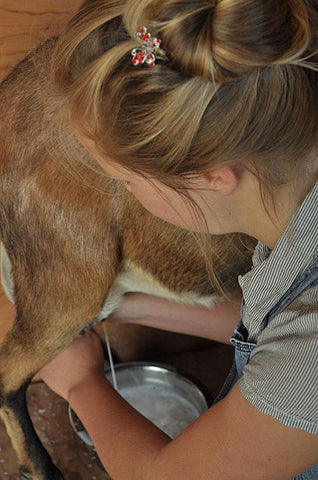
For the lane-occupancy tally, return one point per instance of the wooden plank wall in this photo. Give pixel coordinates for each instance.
(23, 25)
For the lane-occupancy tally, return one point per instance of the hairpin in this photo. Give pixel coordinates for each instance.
(147, 52)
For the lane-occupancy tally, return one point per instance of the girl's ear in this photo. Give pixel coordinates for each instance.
(223, 181)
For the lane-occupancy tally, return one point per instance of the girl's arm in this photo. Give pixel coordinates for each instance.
(231, 440)
(215, 323)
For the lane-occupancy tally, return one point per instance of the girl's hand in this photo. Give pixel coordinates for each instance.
(79, 363)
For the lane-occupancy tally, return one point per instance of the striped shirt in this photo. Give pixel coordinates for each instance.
(281, 376)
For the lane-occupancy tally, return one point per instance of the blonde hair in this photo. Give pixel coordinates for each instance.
(235, 83)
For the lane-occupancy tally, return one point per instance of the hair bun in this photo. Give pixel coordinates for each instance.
(224, 39)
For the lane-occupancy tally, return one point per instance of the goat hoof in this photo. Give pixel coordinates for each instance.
(26, 474)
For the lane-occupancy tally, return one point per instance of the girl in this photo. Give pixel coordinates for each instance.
(210, 117)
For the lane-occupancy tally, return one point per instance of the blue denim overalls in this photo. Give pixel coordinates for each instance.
(243, 349)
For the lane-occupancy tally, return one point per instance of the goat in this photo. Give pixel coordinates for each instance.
(73, 248)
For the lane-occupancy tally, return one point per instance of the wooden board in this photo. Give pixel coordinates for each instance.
(25, 23)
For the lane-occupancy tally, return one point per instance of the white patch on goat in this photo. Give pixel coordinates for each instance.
(132, 278)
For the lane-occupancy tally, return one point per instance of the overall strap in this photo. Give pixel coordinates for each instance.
(304, 281)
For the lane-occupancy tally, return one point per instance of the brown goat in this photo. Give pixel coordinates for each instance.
(73, 244)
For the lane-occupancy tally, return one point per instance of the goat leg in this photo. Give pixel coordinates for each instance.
(33, 458)
(19, 361)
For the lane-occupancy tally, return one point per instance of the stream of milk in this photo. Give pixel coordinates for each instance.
(110, 356)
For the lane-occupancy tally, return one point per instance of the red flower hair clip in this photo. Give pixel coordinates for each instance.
(147, 52)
